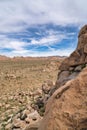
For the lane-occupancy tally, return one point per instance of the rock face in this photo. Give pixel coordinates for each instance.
(78, 57)
(72, 65)
(66, 109)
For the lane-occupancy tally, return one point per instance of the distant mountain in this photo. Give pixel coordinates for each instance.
(2, 57)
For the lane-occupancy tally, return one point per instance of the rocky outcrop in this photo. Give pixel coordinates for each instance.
(74, 64)
(78, 57)
(66, 109)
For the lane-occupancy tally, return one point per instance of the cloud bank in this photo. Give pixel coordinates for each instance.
(40, 28)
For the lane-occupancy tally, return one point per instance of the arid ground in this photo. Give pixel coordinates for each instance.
(19, 77)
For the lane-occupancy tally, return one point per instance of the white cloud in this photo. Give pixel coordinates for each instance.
(19, 48)
(47, 40)
(7, 43)
(51, 52)
(52, 38)
(17, 15)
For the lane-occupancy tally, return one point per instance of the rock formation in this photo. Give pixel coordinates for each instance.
(66, 109)
(72, 65)
(79, 56)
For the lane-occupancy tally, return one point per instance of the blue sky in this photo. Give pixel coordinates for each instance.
(40, 27)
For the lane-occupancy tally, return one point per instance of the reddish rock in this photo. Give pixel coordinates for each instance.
(67, 108)
(85, 49)
(79, 55)
(75, 62)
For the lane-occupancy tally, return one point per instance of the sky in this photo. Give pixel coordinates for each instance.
(40, 27)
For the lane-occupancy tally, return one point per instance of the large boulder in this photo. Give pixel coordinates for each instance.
(67, 107)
